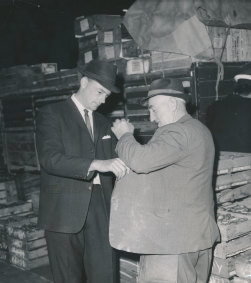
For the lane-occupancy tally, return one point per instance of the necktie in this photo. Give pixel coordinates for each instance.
(88, 123)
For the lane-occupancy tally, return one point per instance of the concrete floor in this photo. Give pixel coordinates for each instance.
(11, 274)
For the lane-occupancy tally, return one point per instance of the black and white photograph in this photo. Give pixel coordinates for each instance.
(125, 141)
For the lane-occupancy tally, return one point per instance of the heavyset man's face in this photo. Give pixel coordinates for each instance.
(161, 110)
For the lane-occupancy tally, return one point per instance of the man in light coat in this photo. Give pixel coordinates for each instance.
(164, 208)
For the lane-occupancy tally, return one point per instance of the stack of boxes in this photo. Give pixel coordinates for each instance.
(8, 192)
(233, 192)
(99, 37)
(26, 243)
(21, 243)
(237, 43)
(7, 213)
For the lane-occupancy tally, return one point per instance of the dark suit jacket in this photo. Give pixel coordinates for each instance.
(229, 121)
(66, 150)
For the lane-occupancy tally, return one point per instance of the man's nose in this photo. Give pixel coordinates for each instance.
(103, 98)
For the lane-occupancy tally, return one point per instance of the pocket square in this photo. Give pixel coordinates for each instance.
(106, 137)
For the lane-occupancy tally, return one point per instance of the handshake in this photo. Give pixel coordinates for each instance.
(115, 165)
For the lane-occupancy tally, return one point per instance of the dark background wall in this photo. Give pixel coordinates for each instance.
(37, 31)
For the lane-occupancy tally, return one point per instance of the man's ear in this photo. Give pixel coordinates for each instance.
(84, 82)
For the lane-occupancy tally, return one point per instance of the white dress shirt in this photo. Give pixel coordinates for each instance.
(81, 109)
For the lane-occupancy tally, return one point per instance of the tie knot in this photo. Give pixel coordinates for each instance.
(86, 111)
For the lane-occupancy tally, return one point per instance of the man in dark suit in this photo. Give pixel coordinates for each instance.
(76, 152)
(229, 119)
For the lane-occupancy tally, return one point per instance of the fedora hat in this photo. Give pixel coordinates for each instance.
(167, 86)
(101, 71)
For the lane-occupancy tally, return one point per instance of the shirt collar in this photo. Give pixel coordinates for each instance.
(78, 104)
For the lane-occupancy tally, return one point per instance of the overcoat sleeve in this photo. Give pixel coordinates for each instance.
(162, 150)
(50, 148)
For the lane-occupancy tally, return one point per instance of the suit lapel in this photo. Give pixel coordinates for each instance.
(76, 116)
(96, 126)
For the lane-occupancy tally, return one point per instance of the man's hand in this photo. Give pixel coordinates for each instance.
(120, 127)
(115, 165)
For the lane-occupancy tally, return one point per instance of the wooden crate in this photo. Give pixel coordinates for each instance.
(243, 266)
(232, 194)
(240, 280)
(218, 279)
(14, 208)
(233, 247)
(232, 180)
(230, 162)
(26, 243)
(227, 268)
(234, 219)
(8, 192)
(28, 264)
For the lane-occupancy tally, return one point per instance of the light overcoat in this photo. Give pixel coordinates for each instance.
(165, 204)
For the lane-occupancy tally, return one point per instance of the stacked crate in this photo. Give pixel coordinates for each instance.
(243, 268)
(233, 45)
(8, 212)
(8, 192)
(129, 268)
(99, 37)
(233, 192)
(26, 243)
(3, 241)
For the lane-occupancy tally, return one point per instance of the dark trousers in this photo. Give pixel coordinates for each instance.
(86, 253)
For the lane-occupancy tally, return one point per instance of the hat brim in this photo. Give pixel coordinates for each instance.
(103, 82)
(182, 96)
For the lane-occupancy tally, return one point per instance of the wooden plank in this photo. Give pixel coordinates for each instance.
(15, 208)
(241, 208)
(26, 245)
(28, 255)
(233, 227)
(232, 194)
(234, 164)
(217, 279)
(233, 247)
(243, 265)
(240, 280)
(27, 265)
(227, 267)
(28, 232)
(231, 180)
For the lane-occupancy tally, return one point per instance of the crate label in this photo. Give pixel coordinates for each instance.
(218, 42)
(108, 37)
(137, 66)
(84, 25)
(109, 52)
(88, 57)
